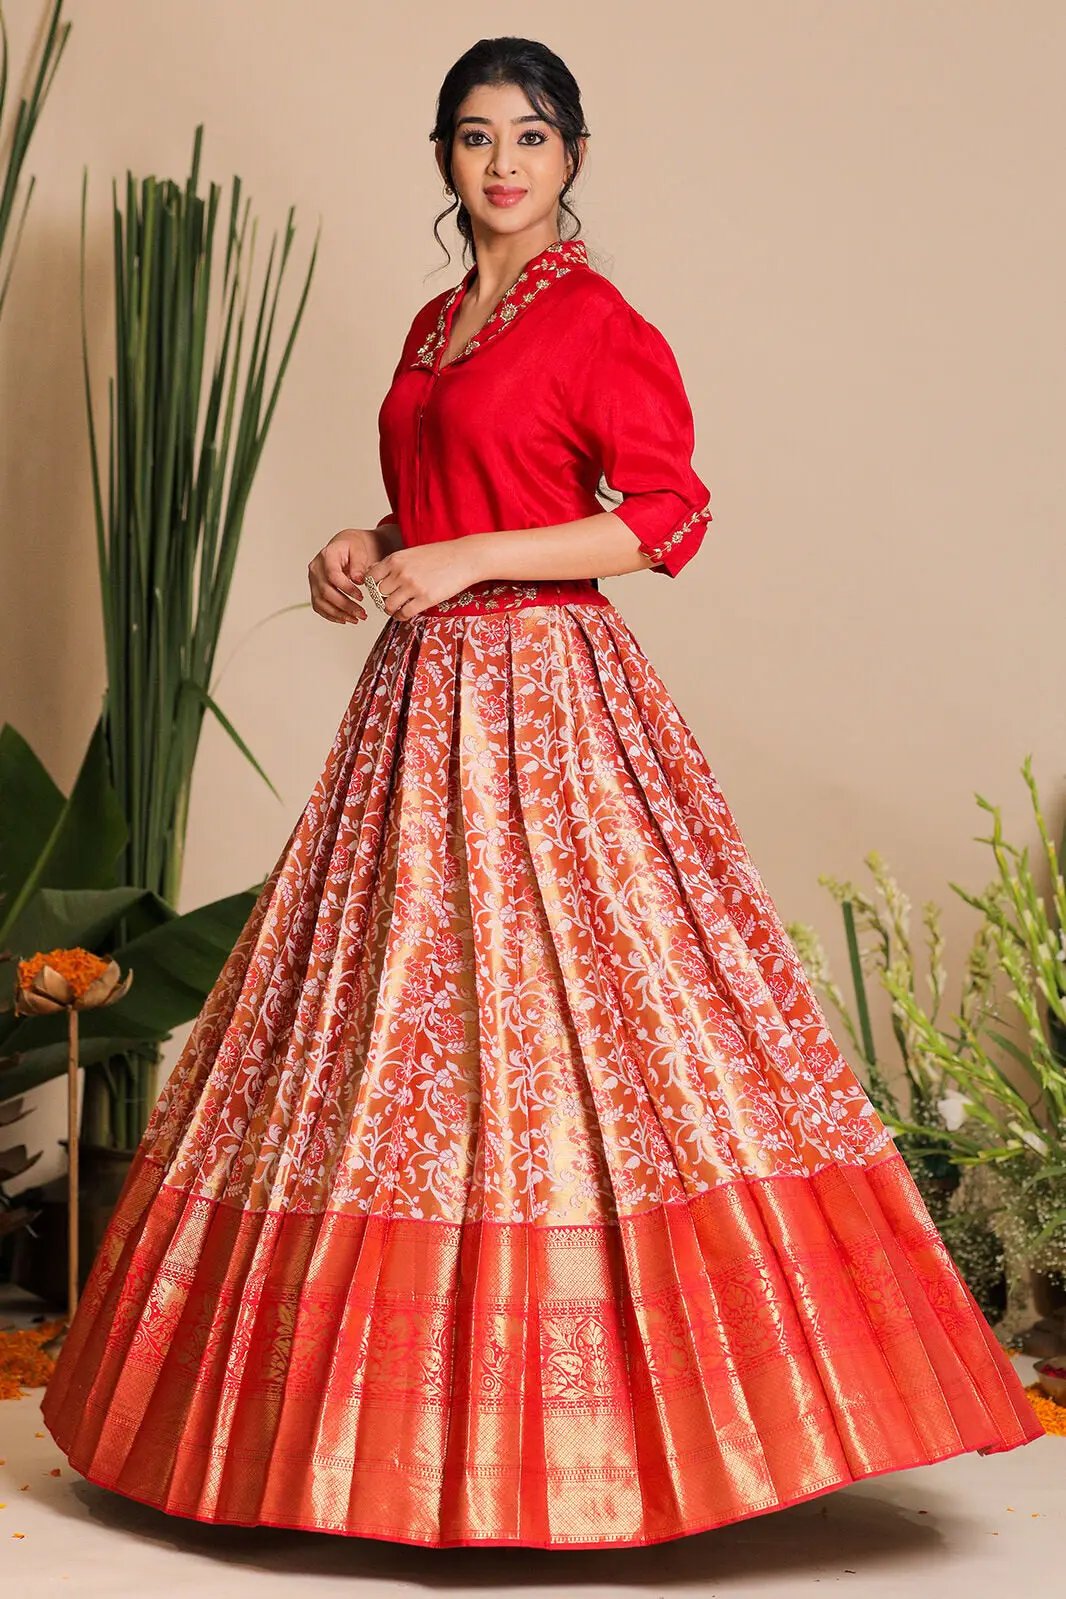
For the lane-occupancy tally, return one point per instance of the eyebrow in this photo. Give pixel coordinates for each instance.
(488, 120)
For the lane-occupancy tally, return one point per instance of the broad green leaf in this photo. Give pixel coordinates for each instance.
(83, 842)
(30, 806)
(46, 1061)
(176, 966)
(79, 918)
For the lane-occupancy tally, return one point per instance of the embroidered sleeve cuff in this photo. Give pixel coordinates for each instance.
(642, 514)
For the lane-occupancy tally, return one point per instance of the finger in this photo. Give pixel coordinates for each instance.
(330, 612)
(334, 602)
(340, 600)
(340, 574)
(396, 598)
(413, 604)
(351, 566)
(336, 613)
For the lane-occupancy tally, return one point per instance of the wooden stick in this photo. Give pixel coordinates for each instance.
(72, 1162)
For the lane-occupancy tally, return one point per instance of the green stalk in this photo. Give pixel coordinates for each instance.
(862, 1004)
(26, 118)
(185, 439)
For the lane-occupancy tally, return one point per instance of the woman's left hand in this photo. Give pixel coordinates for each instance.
(417, 576)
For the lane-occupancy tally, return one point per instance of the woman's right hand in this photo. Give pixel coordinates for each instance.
(337, 570)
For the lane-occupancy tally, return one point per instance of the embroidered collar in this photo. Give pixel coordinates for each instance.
(552, 263)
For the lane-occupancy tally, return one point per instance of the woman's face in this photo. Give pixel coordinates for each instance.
(501, 144)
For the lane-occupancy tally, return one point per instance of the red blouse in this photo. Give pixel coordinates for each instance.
(565, 381)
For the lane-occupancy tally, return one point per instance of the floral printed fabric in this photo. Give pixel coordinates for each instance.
(510, 1186)
(516, 963)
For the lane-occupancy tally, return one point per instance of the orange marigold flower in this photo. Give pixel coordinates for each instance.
(1051, 1414)
(23, 1361)
(79, 966)
(61, 979)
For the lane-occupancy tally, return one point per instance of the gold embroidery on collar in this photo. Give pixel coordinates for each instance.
(552, 263)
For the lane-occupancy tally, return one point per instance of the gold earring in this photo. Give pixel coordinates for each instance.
(448, 189)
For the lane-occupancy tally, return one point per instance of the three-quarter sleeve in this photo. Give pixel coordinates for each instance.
(633, 417)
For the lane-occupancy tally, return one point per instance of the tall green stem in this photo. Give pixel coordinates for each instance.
(182, 455)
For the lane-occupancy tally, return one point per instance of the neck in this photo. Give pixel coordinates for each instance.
(500, 257)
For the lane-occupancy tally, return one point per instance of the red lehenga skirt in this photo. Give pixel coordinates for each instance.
(510, 1188)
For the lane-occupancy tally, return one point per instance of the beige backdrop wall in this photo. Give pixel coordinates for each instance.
(847, 220)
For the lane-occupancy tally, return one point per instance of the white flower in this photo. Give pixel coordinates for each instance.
(953, 1109)
(1034, 1140)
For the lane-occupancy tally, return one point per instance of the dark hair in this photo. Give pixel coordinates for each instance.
(548, 85)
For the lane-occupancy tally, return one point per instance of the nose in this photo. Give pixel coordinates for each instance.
(503, 161)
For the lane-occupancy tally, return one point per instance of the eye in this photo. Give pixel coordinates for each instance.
(471, 134)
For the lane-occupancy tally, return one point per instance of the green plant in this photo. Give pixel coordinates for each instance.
(878, 937)
(964, 1112)
(186, 434)
(26, 119)
(59, 888)
(1020, 1130)
(15, 1159)
(911, 1094)
(180, 469)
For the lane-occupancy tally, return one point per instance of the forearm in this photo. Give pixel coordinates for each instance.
(600, 545)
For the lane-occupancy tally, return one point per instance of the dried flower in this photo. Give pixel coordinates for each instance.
(64, 979)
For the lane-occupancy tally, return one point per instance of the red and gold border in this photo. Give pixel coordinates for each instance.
(586, 1386)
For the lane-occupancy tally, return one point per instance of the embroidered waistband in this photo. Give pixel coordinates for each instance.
(495, 595)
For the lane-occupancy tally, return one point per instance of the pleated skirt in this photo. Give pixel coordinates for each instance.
(510, 1187)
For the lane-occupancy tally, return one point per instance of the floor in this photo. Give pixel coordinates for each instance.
(973, 1526)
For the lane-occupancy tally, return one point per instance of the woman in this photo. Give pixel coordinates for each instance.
(510, 1187)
